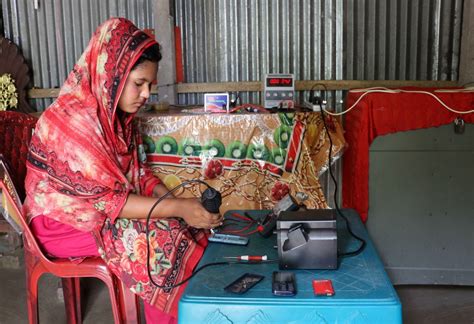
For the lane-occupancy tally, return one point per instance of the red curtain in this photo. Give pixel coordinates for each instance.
(385, 113)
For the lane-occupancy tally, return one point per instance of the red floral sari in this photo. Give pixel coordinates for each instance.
(85, 158)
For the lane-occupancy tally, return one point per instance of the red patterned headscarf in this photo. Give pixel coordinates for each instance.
(83, 157)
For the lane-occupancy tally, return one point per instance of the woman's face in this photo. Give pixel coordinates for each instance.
(137, 87)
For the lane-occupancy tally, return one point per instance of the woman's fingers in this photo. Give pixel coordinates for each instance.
(215, 224)
(213, 221)
(196, 216)
(217, 218)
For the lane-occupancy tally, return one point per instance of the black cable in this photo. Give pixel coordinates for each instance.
(194, 273)
(209, 265)
(349, 229)
(233, 103)
(147, 229)
(201, 267)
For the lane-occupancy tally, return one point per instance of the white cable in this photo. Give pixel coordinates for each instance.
(386, 90)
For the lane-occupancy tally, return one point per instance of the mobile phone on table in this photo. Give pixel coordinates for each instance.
(243, 283)
(323, 287)
(283, 283)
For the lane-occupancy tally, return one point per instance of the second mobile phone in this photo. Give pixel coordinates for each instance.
(283, 283)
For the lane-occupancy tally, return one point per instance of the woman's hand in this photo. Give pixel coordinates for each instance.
(195, 215)
(189, 209)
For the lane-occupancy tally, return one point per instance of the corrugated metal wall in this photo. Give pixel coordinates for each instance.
(53, 34)
(241, 40)
(402, 40)
(319, 39)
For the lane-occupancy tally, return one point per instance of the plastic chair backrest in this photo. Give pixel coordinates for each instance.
(12, 210)
(10, 201)
(16, 129)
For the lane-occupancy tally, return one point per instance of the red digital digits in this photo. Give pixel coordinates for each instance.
(280, 81)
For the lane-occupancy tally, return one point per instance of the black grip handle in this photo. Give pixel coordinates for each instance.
(211, 200)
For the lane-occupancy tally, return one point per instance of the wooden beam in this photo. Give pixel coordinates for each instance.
(255, 86)
(308, 85)
(43, 93)
(362, 84)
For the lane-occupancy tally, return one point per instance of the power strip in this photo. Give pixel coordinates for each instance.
(314, 107)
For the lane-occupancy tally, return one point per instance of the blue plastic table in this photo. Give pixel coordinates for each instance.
(363, 291)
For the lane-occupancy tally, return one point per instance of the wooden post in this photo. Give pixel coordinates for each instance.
(164, 29)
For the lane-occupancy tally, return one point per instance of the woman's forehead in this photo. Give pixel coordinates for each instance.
(146, 70)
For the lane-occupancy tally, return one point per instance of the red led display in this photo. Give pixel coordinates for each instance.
(279, 82)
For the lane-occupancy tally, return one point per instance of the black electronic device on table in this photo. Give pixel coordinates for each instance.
(244, 283)
(283, 283)
(307, 239)
(287, 203)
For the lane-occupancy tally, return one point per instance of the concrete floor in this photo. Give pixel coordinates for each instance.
(421, 304)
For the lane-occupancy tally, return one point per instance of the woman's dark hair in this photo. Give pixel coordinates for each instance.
(152, 53)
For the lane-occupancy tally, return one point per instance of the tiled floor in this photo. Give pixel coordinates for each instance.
(421, 304)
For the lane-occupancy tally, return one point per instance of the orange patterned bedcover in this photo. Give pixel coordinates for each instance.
(252, 159)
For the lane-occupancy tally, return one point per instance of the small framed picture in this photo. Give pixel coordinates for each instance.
(216, 102)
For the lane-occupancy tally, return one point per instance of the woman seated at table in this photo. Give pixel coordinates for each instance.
(88, 188)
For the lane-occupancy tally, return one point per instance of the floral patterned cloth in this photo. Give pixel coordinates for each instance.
(85, 158)
(175, 250)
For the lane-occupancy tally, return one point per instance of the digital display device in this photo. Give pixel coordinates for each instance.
(279, 82)
(279, 91)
